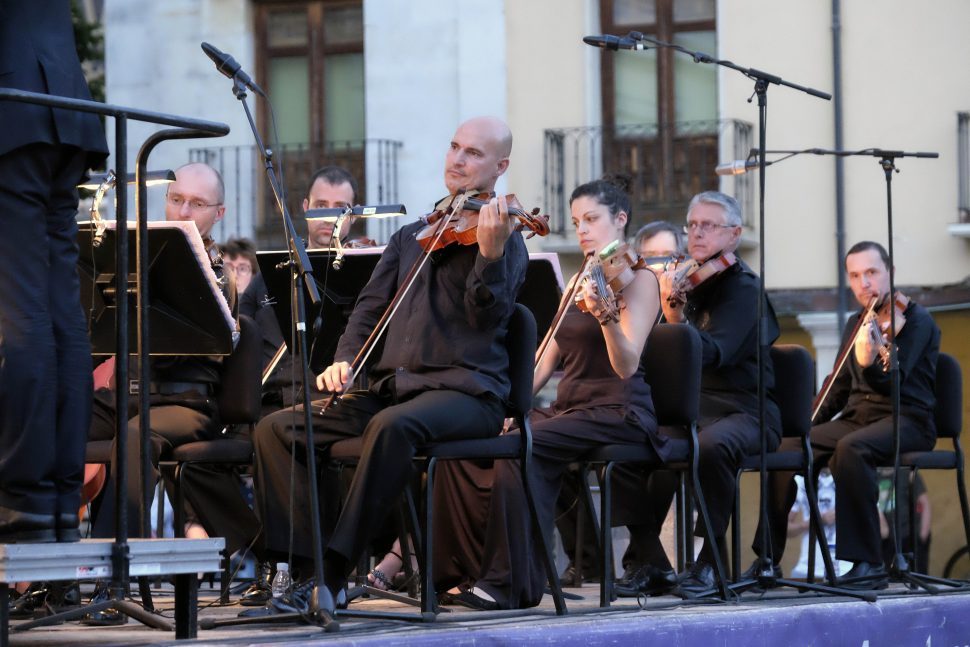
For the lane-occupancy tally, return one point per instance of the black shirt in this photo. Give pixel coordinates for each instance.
(724, 310)
(865, 393)
(449, 331)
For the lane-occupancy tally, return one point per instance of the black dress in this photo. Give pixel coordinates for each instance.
(593, 406)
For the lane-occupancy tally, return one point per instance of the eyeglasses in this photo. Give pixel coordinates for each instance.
(705, 227)
(196, 204)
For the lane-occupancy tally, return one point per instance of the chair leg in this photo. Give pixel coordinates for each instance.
(606, 537)
(589, 508)
(681, 522)
(913, 532)
(736, 530)
(702, 507)
(428, 598)
(544, 542)
(962, 491)
(817, 533)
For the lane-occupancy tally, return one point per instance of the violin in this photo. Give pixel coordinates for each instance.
(877, 323)
(692, 274)
(874, 319)
(460, 214)
(612, 269)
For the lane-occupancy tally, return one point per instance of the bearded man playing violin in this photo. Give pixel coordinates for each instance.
(723, 309)
(861, 438)
(443, 361)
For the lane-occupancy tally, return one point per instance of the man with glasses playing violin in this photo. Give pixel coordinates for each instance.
(861, 437)
(443, 362)
(723, 309)
(183, 407)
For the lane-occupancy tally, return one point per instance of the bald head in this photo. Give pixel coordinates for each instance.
(198, 195)
(478, 155)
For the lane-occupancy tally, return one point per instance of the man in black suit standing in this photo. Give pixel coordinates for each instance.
(45, 374)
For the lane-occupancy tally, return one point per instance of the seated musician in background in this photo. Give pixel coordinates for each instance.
(659, 242)
(601, 398)
(183, 407)
(724, 311)
(444, 360)
(330, 187)
(239, 257)
(861, 438)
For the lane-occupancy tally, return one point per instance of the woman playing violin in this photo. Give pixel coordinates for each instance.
(602, 398)
(861, 439)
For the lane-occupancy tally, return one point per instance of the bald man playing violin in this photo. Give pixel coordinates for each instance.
(723, 309)
(442, 373)
(861, 438)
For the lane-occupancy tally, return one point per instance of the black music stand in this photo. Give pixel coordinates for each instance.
(185, 317)
(339, 290)
(542, 289)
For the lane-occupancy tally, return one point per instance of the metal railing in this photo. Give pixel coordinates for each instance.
(963, 167)
(374, 162)
(667, 164)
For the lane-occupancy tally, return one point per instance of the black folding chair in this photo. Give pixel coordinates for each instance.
(672, 361)
(794, 389)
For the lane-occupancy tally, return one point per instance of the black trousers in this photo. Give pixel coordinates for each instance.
(723, 443)
(513, 568)
(392, 433)
(45, 375)
(213, 494)
(853, 451)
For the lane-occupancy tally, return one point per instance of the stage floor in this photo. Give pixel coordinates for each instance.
(779, 617)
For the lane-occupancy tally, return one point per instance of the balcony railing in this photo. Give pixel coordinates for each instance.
(667, 164)
(963, 167)
(250, 206)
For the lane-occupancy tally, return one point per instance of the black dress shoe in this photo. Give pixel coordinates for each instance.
(261, 590)
(31, 602)
(66, 527)
(647, 580)
(25, 527)
(753, 573)
(864, 576)
(571, 579)
(105, 617)
(697, 582)
(467, 598)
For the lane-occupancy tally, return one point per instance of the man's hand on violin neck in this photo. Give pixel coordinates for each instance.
(494, 228)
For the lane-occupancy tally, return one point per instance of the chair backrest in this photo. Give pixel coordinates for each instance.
(240, 387)
(521, 344)
(949, 397)
(672, 367)
(794, 388)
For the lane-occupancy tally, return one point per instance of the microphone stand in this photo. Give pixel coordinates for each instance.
(766, 567)
(899, 570)
(321, 604)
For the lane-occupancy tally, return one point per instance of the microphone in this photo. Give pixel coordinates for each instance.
(615, 42)
(738, 167)
(230, 68)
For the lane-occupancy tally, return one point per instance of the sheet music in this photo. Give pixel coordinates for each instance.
(198, 248)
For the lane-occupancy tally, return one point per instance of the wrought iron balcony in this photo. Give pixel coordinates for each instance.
(667, 164)
(250, 203)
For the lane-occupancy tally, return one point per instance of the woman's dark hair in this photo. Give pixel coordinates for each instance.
(611, 192)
